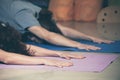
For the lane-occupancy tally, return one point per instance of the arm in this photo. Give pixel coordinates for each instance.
(58, 39)
(71, 33)
(42, 52)
(52, 37)
(13, 58)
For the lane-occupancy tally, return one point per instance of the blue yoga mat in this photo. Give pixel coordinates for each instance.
(105, 48)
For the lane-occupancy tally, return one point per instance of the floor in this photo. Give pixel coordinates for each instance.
(99, 30)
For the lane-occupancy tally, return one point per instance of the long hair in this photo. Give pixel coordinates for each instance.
(10, 40)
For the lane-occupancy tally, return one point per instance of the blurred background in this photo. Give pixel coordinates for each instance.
(79, 10)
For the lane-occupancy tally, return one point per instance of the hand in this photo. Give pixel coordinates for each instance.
(57, 63)
(101, 40)
(70, 55)
(88, 47)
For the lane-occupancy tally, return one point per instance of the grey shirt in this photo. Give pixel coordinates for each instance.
(20, 14)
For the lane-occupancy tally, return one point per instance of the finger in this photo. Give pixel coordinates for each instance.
(82, 57)
(95, 48)
(109, 42)
(59, 66)
(79, 57)
(66, 64)
(65, 56)
(99, 42)
(74, 55)
(88, 49)
(68, 57)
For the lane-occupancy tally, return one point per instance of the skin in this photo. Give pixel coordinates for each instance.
(34, 59)
(37, 52)
(64, 41)
(71, 33)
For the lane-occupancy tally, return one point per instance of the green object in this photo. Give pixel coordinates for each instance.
(114, 2)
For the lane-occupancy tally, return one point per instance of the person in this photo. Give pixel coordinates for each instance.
(25, 17)
(14, 51)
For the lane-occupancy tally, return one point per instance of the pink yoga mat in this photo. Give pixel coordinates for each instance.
(92, 63)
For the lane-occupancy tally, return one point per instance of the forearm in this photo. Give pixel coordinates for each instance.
(77, 35)
(13, 58)
(59, 39)
(42, 52)
(52, 37)
(71, 33)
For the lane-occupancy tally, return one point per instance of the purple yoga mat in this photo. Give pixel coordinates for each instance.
(92, 63)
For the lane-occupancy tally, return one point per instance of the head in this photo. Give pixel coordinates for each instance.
(10, 39)
(45, 15)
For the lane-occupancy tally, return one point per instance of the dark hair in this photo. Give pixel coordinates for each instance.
(10, 40)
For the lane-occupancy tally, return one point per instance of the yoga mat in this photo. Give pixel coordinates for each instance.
(94, 62)
(105, 48)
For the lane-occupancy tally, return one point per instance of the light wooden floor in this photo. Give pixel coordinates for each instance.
(110, 73)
